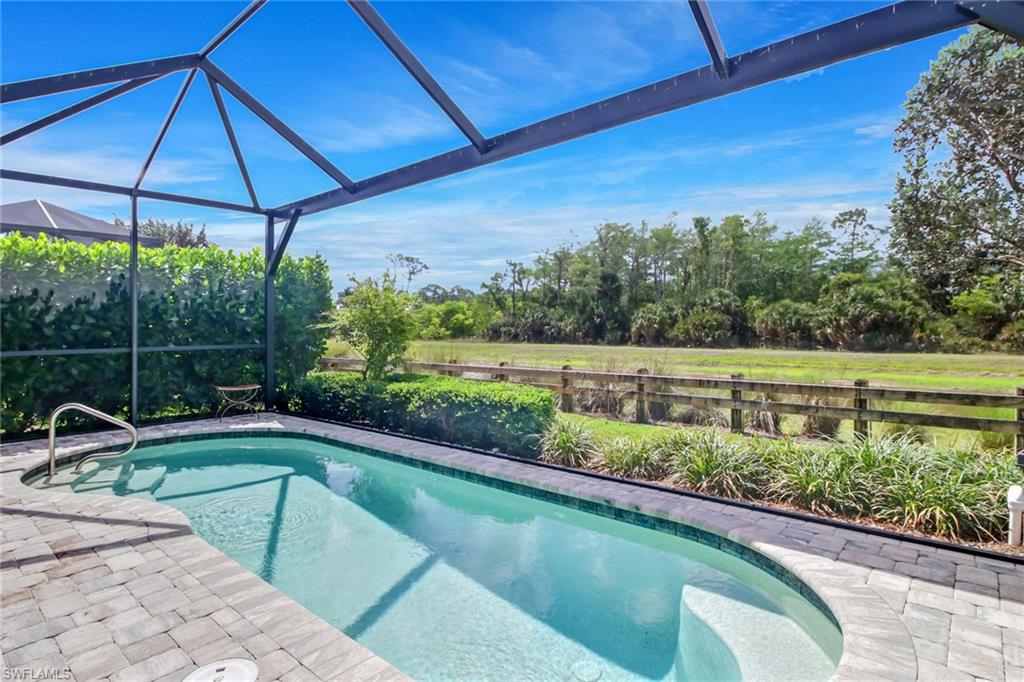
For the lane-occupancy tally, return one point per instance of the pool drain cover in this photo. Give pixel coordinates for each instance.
(228, 670)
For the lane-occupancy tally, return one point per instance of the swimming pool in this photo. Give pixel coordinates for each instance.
(448, 578)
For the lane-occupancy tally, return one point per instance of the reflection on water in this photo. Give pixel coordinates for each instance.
(449, 579)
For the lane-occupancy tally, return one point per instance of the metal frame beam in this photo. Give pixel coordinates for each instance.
(165, 127)
(708, 31)
(133, 285)
(55, 181)
(50, 85)
(413, 65)
(282, 243)
(50, 352)
(233, 26)
(279, 126)
(230, 131)
(76, 108)
(269, 315)
(870, 32)
(1005, 17)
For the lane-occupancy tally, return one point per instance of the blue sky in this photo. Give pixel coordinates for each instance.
(809, 146)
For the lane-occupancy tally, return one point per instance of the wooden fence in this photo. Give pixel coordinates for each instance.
(641, 388)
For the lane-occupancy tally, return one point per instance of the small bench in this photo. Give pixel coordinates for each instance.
(242, 396)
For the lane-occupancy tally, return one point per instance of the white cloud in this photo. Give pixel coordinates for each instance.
(391, 123)
(576, 50)
(881, 129)
(106, 164)
(109, 163)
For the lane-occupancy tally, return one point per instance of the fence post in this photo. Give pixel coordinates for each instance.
(566, 390)
(736, 414)
(501, 376)
(861, 427)
(1018, 438)
(641, 402)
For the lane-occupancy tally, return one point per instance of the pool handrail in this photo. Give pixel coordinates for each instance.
(91, 411)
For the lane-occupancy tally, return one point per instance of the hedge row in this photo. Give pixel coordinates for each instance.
(506, 417)
(57, 294)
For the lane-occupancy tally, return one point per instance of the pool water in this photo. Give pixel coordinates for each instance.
(448, 579)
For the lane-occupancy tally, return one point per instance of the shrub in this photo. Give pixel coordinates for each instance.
(706, 462)
(336, 395)
(993, 440)
(1011, 336)
(952, 493)
(640, 458)
(503, 416)
(818, 425)
(786, 323)
(694, 415)
(57, 294)
(824, 480)
(649, 325)
(569, 443)
(377, 321)
(909, 432)
(763, 418)
(858, 311)
(728, 304)
(702, 328)
(982, 311)
(603, 397)
(451, 320)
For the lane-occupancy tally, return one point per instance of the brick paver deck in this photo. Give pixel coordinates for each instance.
(97, 587)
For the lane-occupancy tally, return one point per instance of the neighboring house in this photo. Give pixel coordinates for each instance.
(33, 217)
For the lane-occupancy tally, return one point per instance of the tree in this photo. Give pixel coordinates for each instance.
(856, 252)
(178, 233)
(958, 210)
(519, 281)
(434, 293)
(378, 322)
(409, 266)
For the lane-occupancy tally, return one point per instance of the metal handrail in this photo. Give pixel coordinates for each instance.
(94, 413)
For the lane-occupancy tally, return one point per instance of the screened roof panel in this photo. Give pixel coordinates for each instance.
(107, 143)
(749, 24)
(270, 158)
(338, 87)
(508, 64)
(132, 31)
(197, 133)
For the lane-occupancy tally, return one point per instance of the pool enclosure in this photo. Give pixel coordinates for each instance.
(872, 31)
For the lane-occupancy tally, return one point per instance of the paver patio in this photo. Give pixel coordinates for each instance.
(99, 587)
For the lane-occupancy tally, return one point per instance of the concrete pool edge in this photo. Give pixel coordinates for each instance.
(846, 569)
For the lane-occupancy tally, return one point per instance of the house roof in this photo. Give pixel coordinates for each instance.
(35, 216)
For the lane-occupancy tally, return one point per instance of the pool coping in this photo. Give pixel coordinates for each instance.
(864, 580)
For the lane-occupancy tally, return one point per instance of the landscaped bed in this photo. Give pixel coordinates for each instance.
(892, 482)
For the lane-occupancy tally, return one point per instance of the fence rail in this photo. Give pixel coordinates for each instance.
(568, 382)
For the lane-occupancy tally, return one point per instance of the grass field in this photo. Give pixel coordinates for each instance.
(989, 372)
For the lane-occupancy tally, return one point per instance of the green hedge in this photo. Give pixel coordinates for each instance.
(57, 294)
(502, 416)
